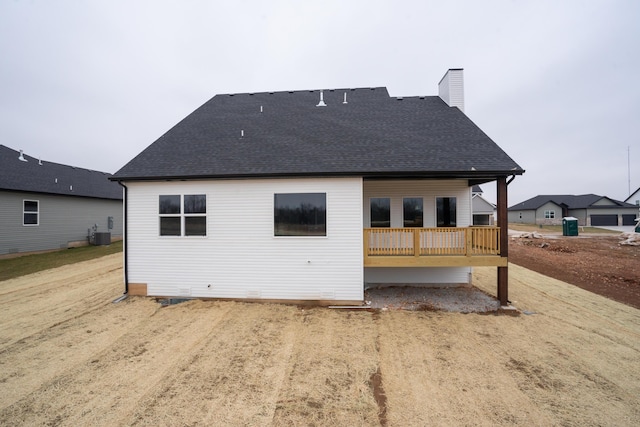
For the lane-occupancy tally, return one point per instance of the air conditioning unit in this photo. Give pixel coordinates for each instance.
(102, 239)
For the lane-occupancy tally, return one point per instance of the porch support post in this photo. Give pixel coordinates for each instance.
(503, 223)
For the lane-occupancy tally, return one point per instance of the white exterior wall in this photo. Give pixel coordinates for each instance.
(451, 88)
(428, 190)
(240, 257)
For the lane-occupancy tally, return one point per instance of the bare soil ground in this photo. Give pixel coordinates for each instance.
(596, 262)
(70, 357)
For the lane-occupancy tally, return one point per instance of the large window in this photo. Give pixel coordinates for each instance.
(380, 212)
(300, 214)
(413, 211)
(183, 215)
(446, 211)
(549, 214)
(30, 212)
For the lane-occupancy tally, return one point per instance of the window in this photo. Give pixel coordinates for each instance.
(446, 212)
(549, 214)
(300, 214)
(30, 212)
(183, 215)
(380, 212)
(412, 211)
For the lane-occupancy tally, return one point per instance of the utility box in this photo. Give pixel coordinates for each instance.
(102, 239)
(569, 226)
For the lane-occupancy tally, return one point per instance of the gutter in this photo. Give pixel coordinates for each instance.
(124, 236)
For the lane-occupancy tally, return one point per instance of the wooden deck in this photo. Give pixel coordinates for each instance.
(433, 247)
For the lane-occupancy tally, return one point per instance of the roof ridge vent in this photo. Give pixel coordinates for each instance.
(21, 157)
(321, 103)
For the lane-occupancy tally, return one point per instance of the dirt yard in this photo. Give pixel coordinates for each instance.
(597, 263)
(70, 357)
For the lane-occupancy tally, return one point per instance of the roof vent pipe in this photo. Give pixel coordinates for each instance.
(261, 108)
(21, 157)
(242, 134)
(321, 103)
(345, 98)
(40, 162)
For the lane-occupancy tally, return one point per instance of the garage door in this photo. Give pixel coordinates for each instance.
(604, 220)
(628, 220)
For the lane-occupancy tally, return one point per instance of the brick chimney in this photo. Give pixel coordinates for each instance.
(451, 88)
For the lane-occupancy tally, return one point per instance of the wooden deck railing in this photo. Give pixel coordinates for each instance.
(442, 241)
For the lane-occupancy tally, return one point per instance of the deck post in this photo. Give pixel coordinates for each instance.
(503, 223)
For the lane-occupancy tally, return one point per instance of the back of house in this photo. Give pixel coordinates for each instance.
(311, 196)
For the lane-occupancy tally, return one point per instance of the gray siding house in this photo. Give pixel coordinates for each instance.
(45, 206)
(589, 209)
(483, 210)
(634, 198)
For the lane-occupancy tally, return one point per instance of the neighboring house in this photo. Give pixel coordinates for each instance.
(310, 195)
(634, 198)
(589, 209)
(483, 210)
(46, 205)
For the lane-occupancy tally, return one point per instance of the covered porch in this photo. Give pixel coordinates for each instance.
(398, 244)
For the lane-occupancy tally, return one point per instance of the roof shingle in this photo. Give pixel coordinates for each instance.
(53, 178)
(287, 134)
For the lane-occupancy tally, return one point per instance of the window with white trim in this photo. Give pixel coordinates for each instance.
(30, 212)
(380, 212)
(412, 212)
(300, 214)
(549, 214)
(183, 215)
(446, 212)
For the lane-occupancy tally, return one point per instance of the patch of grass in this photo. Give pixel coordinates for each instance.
(27, 264)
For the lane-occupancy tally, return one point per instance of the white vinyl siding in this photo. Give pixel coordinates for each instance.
(241, 257)
(428, 190)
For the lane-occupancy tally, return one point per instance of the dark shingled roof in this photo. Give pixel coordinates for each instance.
(371, 135)
(30, 176)
(582, 201)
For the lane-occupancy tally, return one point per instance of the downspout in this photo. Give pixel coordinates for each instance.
(124, 235)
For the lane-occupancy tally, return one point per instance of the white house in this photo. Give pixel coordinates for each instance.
(311, 195)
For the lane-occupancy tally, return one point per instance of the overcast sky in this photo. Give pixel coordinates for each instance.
(554, 83)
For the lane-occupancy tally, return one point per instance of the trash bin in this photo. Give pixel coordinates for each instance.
(569, 226)
(102, 239)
